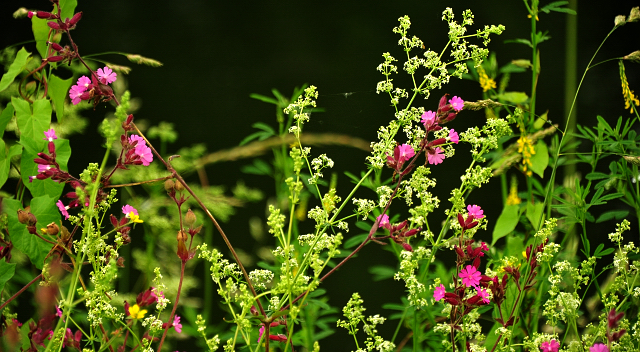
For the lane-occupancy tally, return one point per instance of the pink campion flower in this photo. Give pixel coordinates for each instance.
(476, 211)
(42, 168)
(127, 209)
(599, 347)
(384, 221)
(453, 136)
(550, 346)
(106, 75)
(63, 209)
(141, 149)
(439, 292)
(75, 94)
(428, 119)
(456, 103)
(176, 324)
(435, 157)
(483, 294)
(83, 82)
(470, 276)
(406, 152)
(260, 333)
(50, 135)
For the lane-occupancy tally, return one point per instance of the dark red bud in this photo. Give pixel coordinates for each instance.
(54, 25)
(407, 247)
(44, 15)
(52, 147)
(279, 337)
(56, 58)
(437, 142)
(75, 18)
(114, 220)
(56, 46)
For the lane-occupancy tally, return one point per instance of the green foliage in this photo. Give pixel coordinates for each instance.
(16, 68)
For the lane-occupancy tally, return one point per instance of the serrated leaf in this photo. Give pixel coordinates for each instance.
(32, 124)
(514, 97)
(46, 211)
(540, 160)
(19, 63)
(506, 223)
(7, 270)
(58, 89)
(534, 211)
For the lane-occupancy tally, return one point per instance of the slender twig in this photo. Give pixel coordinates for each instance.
(20, 292)
(175, 306)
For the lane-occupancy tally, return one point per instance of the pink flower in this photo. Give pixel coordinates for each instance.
(63, 209)
(438, 294)
(50, 135)
(260, 333)
(127, 209)
(550, 346)
(476, 211)
(456, 103)
(141, 149)
(42, 168)
(83, 83)
(599, 347)
(435, 157)
(453, 136)
(428, 119)
(406, 152)
(470, 276)
(483, 294)
(75, 94)
(106, 75)
(384, 221)
(176, 324)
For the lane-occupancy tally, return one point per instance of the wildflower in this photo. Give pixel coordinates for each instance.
(630, 99)
(435, 156)
(383, 221)
(550, 346)
(476, 211)
(525, 146)
(75, 94)
(63, 209)
(401, 153)
(485, 82)
(456, 103)
(176, 324)
(470, 276)
(50, 135)
(406, 152)
(483, 294)
(599, 347)
(136, 313)
(453, 136)
(127, 209)
(83, 83)
(513, 198)
(141, 149)
(59, 312)
(429, 121)
(106, 75)
(439, 292)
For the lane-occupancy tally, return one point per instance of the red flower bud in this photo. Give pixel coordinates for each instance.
(44, 15)
(54, 25)
(75, 18)
(56, 46)
(56, 58)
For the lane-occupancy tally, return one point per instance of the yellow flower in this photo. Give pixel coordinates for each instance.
(136, 313)
(134, 218)
(627, 93)
(513, 198)
(485, 82)
(525, 147)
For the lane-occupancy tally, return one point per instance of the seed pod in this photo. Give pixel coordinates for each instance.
(179, 187)
(169, 185)
(190, 218)
(53, 229)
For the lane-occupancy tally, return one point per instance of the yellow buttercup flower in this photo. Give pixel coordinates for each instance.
(485, 82)
(136, 313)
(627, 93)
(134, 218)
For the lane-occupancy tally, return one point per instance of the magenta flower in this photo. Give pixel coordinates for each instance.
(260, 333)
(75, 94)
(429, 119)
(50, 135)
(438, 294)
(127, 209)
(141, 149)
(482, 293)
(550, 346)
(106, 75)
(384, 221)
(406, 152)
(476, 211)
(456, 103)
(453, 136)
(470, 276)
(42, 168)
(599, 347)
(84, 82)
(176, 324)
(63, 209)
(435, 157)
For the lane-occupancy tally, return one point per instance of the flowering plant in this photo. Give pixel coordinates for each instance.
(538, 284)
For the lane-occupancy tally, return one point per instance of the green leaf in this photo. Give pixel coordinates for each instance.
(514, 97)
(597, 176)
(382, 272)
(5, 165)
(539, 123)
(15, 68)
(5, 117)
(32, 125)
(67, 8)
(259, 167)
(264, 98)
(540, 160)
(40, 34)
(355, 240)
(519, 41)
(534, 211)
(556, 6)
(46, 211)
(613, 214)
(506, 223)
(58, 89)
(6, 272)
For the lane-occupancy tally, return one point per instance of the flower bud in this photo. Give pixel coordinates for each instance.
(182, 236)
(190, 218)
(56, 58)
(75, 18)
(52, 147)
(53, 229)
(55, 46)
(169, 185)
(633, 57)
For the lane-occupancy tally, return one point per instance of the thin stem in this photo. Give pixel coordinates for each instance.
(175, 306)
(20, 292)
